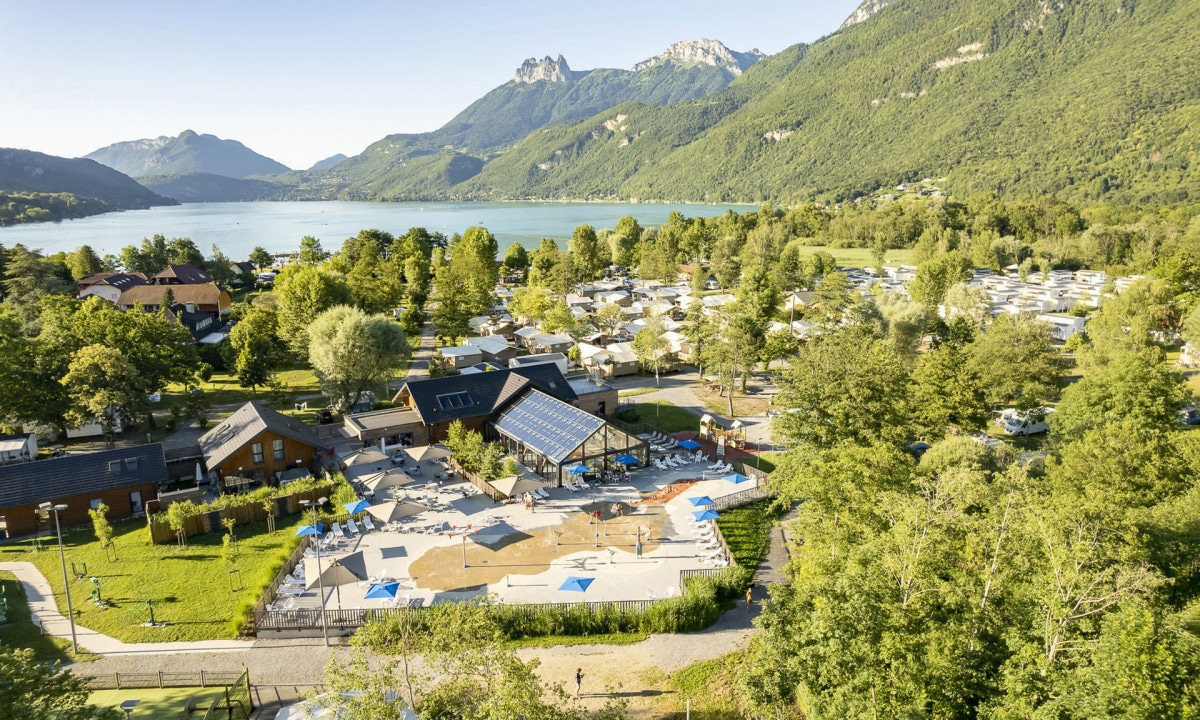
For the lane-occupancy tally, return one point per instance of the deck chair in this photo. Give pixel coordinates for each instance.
(352, 528)
(288, 590)
(338, 532)
(583, 485)
(567, 484)
(368, 524)
(541, 492)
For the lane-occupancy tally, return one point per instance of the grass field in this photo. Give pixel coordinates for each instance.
(664, 416)
(747, 529)
(224, 389)
(190, 586)
(859, 257)
(158, 703)
(709, 685)
(20, 631)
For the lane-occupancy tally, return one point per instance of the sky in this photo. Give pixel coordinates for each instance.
(299, 81)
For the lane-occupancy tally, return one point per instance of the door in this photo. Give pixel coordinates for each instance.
(135, 502)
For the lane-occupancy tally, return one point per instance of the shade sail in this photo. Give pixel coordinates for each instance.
(706, 515)
(576, 584)
(383, 591)
(702, 501)
(736, 478)
(577, 469)
(515, 485)
(341, 571)
(392, 511)
(309, 530)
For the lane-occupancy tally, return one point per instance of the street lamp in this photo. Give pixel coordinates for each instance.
(314, 504)
(128, 707)
(56, 509)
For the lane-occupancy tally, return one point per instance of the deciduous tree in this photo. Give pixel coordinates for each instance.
(352, 352)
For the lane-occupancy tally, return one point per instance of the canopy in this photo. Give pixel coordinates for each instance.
(392, 511)
(310, 530)
(626, 459)
(489, 534)
(514, 485)
(428, 452)
(578, 469)
(702, 501)
(383, 591)
(576, 584)
(349, 569)
(356, 507)
(706, 515)
(385, 479)
(689, 444)
(736, 478)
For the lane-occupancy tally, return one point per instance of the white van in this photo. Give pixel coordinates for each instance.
(1024, 422)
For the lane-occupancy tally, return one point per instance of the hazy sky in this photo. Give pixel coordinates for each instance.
(299, 81)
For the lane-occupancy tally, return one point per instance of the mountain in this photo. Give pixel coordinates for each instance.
(188, 153)
(542, 93)
(206, 187)
(1080, 98)
(53, 187)
(327, 162)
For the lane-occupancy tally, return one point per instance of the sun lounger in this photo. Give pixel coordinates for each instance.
(368, 524)
(290, 590)
(352, 528)
(567, 484)
(338, 532)
(583, 485)
(281, 606)
(541, 492)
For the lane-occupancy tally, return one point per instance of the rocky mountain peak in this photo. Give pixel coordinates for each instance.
(534, 70)
(864, 12)
(703, 52)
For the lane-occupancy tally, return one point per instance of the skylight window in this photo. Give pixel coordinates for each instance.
(454, 401)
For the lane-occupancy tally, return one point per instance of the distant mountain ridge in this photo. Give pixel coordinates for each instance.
(190, 152)
(26, 171)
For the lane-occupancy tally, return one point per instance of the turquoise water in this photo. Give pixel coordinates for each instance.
(278, 226)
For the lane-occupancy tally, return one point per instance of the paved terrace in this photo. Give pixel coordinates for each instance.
(523, 555)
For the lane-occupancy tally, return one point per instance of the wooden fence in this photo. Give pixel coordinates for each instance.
(740, 498)
(268, 596)
(249, 512)
(166, 679)
(483, 485)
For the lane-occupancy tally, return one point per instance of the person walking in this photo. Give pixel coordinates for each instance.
(578, 680)
(749, 597)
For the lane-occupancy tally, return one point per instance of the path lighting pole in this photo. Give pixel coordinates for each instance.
(56, 509)
(320, 580)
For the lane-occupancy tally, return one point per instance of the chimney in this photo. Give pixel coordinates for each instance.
(191, 307)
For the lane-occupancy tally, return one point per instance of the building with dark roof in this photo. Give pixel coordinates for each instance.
(124, 479)
(257, 442)
(203, 297)
(108, 285)
(181, 275)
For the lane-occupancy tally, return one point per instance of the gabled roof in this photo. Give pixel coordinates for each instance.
(117, 280)
(480, 394)
(203, 294)
(81, 474)
(547, 425)
(246, 423)
(185, 274)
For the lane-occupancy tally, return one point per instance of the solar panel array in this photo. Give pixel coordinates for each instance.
(548, 426)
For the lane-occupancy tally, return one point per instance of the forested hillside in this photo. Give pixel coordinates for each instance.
(44, 187)
(191, 152)
(1085, 99)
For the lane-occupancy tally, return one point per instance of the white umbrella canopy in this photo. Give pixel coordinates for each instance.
(392, 511)
(428, 452)
(385, 479)
(515, 485)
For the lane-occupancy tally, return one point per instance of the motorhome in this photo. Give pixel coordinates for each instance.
(1024, 422)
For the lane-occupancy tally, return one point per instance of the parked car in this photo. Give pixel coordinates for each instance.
(1188, 416)
(325, 416)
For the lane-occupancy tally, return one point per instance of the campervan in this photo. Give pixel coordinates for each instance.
(1024, 422)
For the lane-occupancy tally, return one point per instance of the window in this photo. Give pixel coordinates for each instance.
(453, 401)
(95, 503)
(135, 502)
(277, 446)
(257, 449)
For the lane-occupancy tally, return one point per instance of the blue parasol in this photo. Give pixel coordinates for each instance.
(310, 530)
(702, 501)
(702, 515)
(689, 444)
(578, 469)
(356, 507)
(383, 591)
(626, 459)
(576, 584)
(736, 478)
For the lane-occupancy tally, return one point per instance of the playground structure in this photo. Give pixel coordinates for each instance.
(734, 436)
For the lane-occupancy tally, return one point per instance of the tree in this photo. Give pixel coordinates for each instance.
(311, 252)
(261, 258)
(972, 303)
(609, 319)
(846, 385)
(168, 299)
(937, 275)
(150, 258)
(303, 293)
(256, 347)
(530, 303)
(560, 319)
(100, 524)
(105, 387)
(83, 261)
(1135, 386)
(516, 258)
(946, 392)
(587, 256)
(1132, 321)
(28, 277)
(779, 345)
(462, 290)
(352, 352)
(758, 296)
(182, 251)
(652, 349)
(903, 323)
(726, 262)
(1015, 362)
(31, 690)
(222, 269)
(480, 244)
(831, 299)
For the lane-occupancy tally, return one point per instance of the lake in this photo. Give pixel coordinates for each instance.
(278, 226)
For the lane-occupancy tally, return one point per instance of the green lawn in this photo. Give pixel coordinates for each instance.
(190, 586)
(747, 529)
(224, 389)
(859, 257)
(765, 461)
(634, 392)
(156, 703)
(709, 685)
(664, 416)
(20, 631)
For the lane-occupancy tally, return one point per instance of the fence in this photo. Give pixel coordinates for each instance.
(740, 498)
(249, 512)
(124, 681)
(483, 485)
(268, 595)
